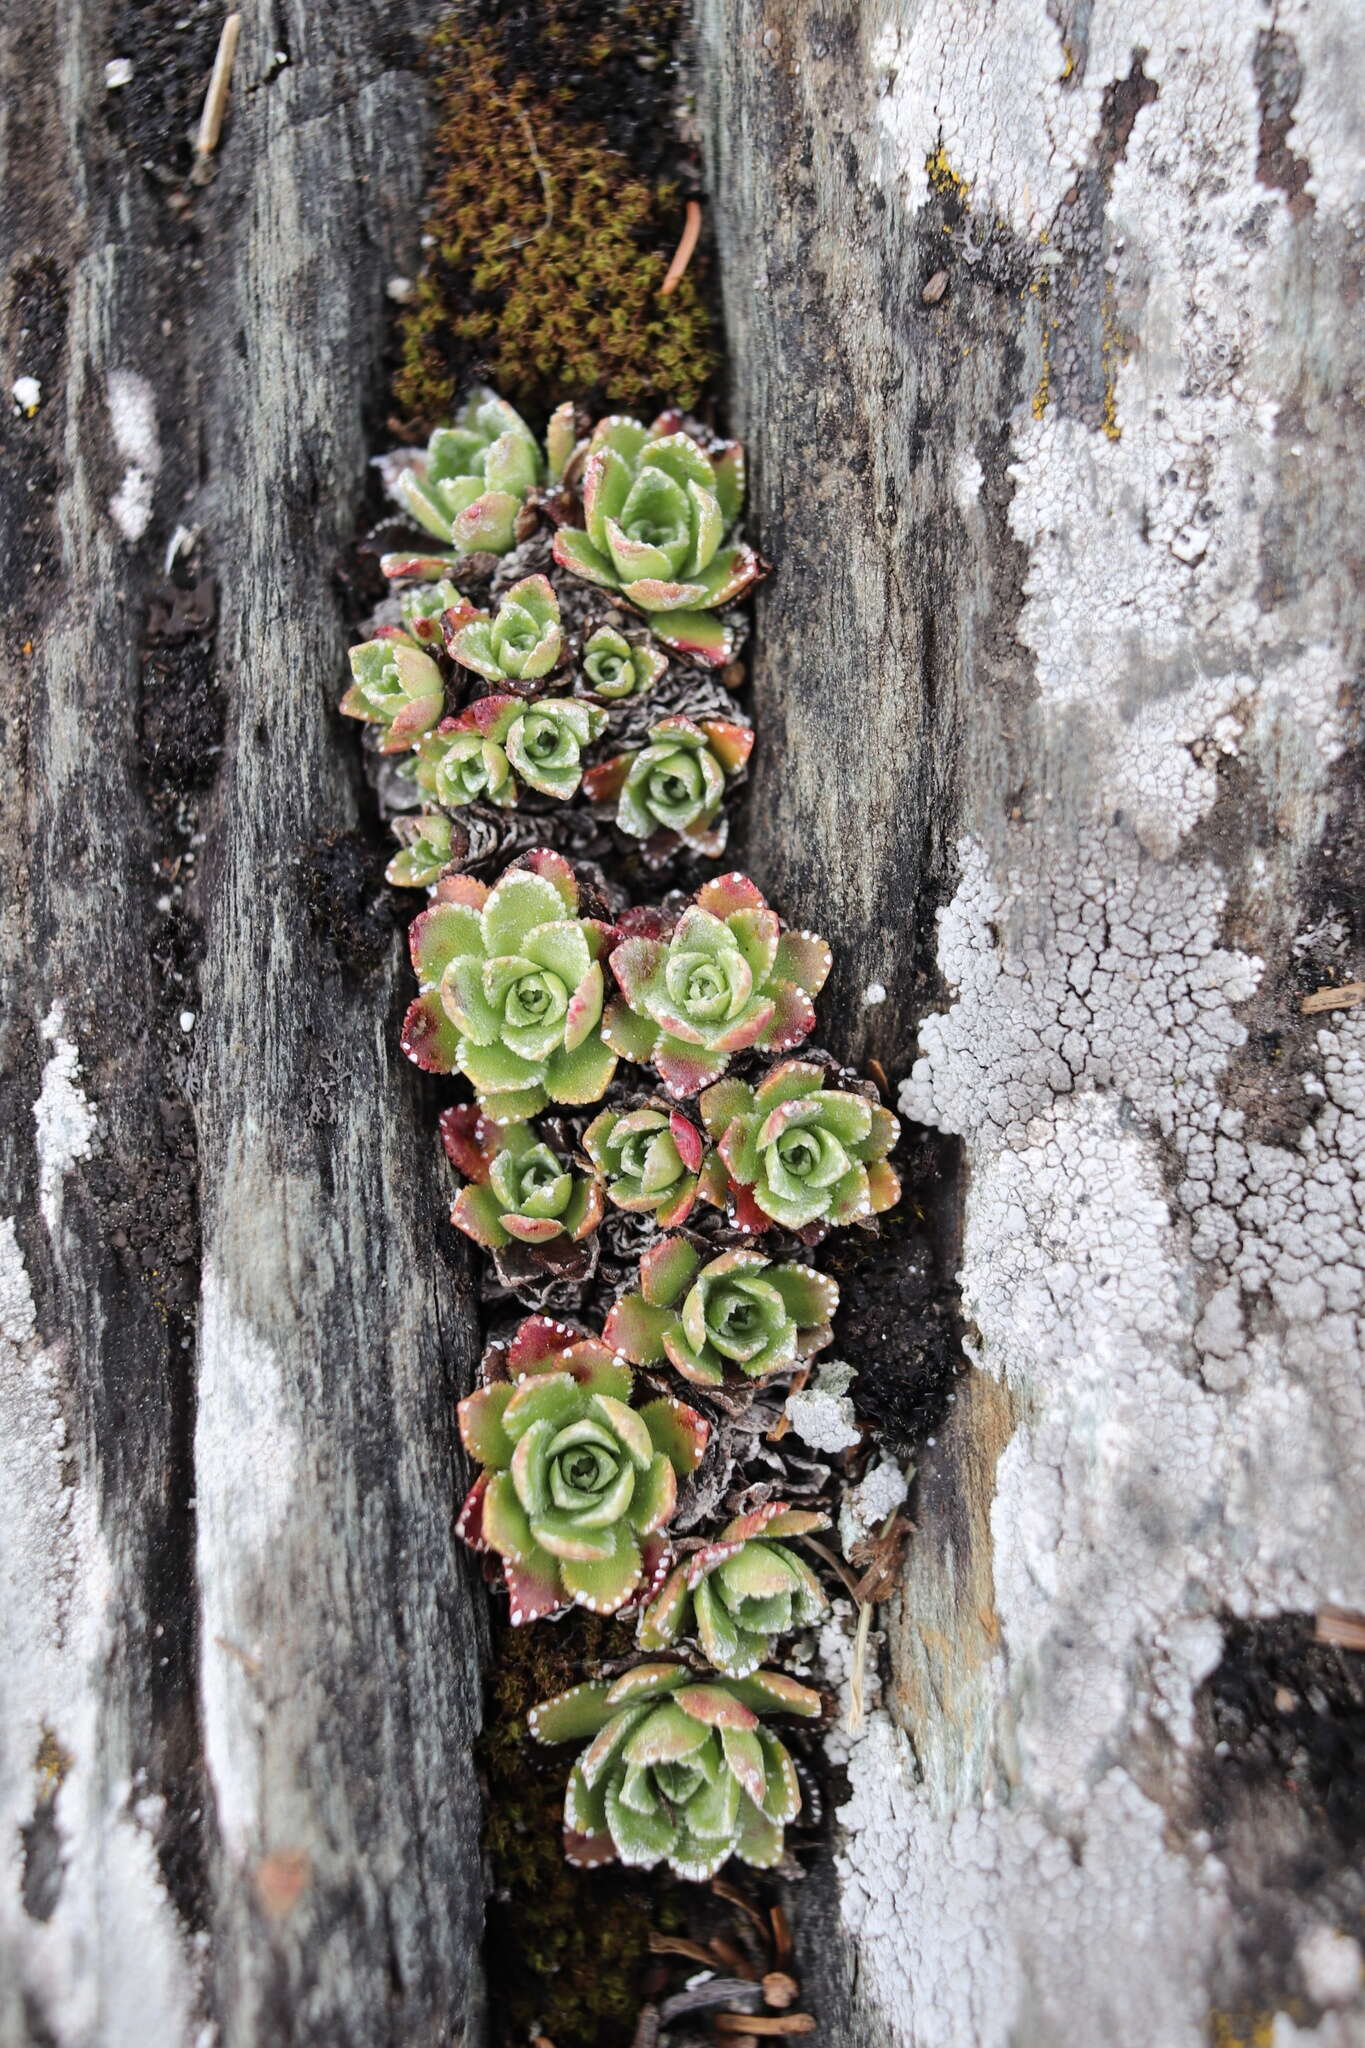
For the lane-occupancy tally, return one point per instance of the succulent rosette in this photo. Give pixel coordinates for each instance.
(473, 479)
(459, 764)
(424, 850)
(543, 740)
(678, 1770)
(396, 686)
(797, 1152)
(519, 643)
(730, 977)
(656, 510)
(651, 1158)
(738, 1594)
(516, 1185)
(615, 668)
(511, 990)
(740, 1313)
(677, 783)
(423, 608)
(576, 1483)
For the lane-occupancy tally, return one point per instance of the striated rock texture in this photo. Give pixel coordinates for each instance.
(1045, 338)
(240, 1677)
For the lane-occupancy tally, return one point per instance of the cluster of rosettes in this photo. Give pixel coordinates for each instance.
(488, 704)
(633, 1060)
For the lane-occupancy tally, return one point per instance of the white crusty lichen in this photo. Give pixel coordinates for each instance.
(1176, 1300)
(822, 1414)
(106, 1958)
(64, 1122)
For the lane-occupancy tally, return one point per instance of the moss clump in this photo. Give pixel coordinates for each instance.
(552, 221)
(567, 1949)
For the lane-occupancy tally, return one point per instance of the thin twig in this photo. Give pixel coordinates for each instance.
(1340, 1625)
(541, 172)
(216, 98)
(682, 255)
(784, 1421)
(835, 1563)
(784, 2024)
(1343, 997)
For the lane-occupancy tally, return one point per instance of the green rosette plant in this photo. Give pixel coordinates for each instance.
(424, 851)
(657, 509)
(516, 1186)
(738, 1314)
(576, 1484)
(678, 1770)
(731, 976)
(397, 687)
(615, 668)
(739, 1594)
(473, 479)
(423, 608)
(799, 1153)
(542, 739)
(677, 783)
(461, 764)
(520, 643)
(651, 1159)
(511, 988)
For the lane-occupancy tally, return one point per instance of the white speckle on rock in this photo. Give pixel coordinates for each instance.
(883, 1488)
(187, 1020)
(1331, 1965)
(822, 1414)
(118, 72)
(400, 289)
(247, 1457)
(873, 995)
(63, 1119)
(108, 1960)
(27, 393)
(132, 421)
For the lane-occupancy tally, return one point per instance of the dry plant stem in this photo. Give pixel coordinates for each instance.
(683, 254)
(541, 171)
(835, 1563)
(678, 1945)
(783, 1423)
(1340, 1625)
(1343, 998)
(734, 1897)
(216, 98)
(763, 2025)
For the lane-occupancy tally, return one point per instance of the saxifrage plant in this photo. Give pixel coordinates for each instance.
(615, 668)
(517, 1186)
(468, 487)
(798, 1153)
(511, 990)
(677, 783)
(657, 509)
(575, 1481)
(678, 1769)
(651, 1159)
(396, 687)
(518, 644)
(739, 1313)
(730, 976)
(739, 1594)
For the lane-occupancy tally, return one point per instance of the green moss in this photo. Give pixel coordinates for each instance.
(567, 1949)
(552, 222)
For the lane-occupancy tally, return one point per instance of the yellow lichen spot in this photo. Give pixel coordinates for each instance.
(1068, 62)
(1111, 350)
(1241, 2030)
(52, 1762)
(943, 179)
